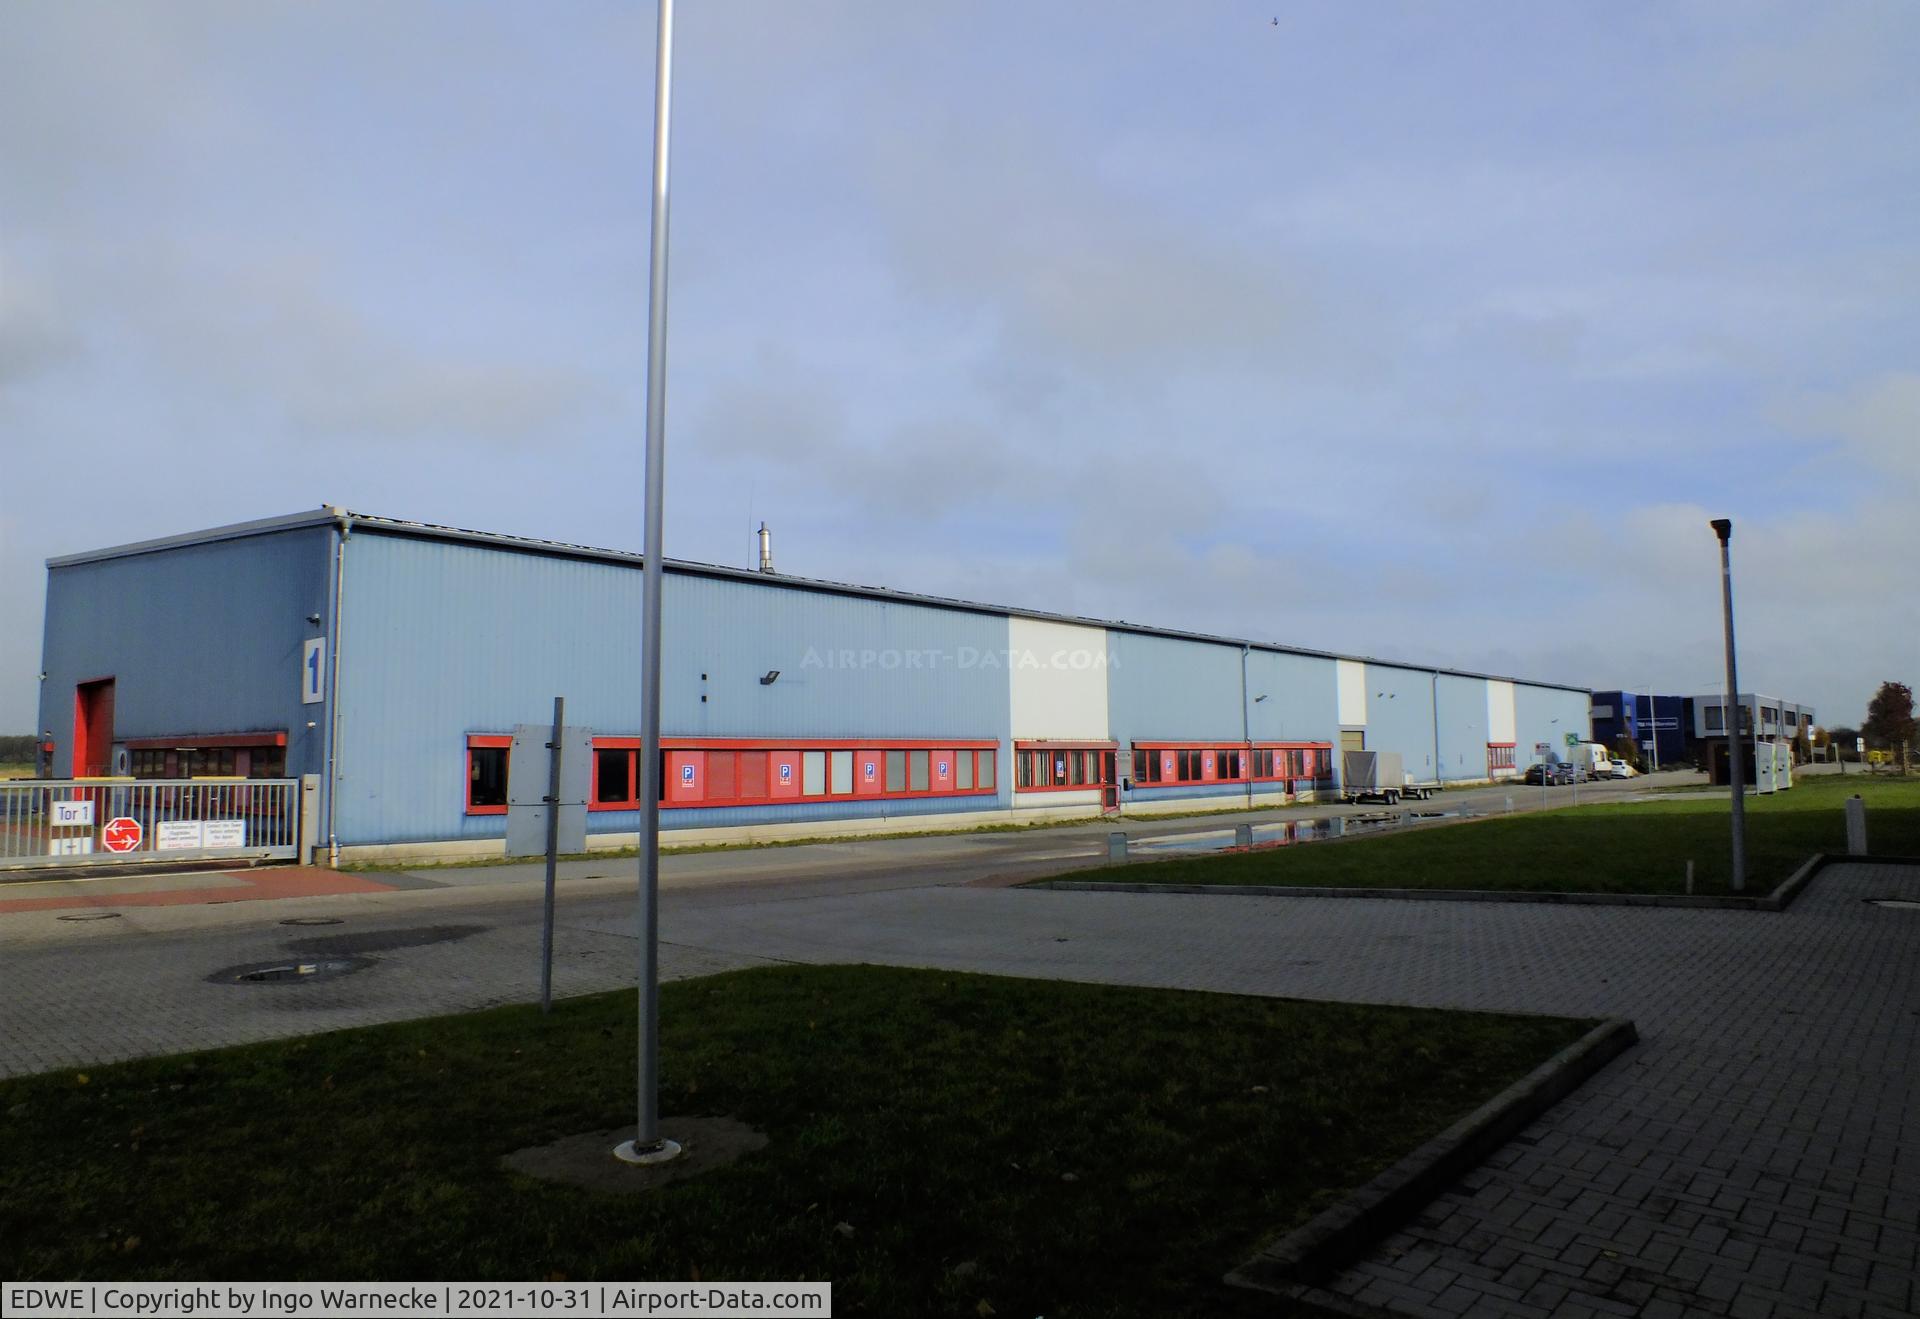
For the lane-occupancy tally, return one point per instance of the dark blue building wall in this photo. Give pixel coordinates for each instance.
(199, 639)
(1641, 716)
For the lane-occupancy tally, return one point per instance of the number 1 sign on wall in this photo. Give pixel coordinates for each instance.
(313, 663)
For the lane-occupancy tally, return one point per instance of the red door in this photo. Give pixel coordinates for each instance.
(92, 729)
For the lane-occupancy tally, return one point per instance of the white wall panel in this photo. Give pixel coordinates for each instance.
(1057, 675)
(1500, 722)
(1353, 693)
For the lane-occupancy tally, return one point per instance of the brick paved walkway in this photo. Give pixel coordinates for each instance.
(1758, 1154)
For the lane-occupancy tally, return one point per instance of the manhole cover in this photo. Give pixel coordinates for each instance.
(289, 972)
(1908, 903)
(313, 920)
(90, 916)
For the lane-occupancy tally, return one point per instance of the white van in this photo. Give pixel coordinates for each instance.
(1592, 758)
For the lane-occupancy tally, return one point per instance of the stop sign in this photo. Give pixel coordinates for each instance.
(122, 834)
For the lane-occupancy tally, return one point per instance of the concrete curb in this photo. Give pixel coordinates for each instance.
(1298, 1263)
(1777, 900)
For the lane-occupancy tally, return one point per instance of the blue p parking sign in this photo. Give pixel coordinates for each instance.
(686, 774)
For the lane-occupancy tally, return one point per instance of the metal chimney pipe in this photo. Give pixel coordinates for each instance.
(766, 549)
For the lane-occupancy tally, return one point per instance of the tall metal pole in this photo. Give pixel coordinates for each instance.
(553, 853)
(647, 1145)
(1736, 771)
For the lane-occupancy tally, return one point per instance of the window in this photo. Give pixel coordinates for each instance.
(1499, 756)
(613, 777)
(1716, 718)
(487, 775)
(693, 774)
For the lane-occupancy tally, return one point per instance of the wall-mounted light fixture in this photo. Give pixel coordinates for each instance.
(772, 676)
(314, 619)
(1261, 697)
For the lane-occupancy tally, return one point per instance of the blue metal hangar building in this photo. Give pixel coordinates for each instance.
(391, 661)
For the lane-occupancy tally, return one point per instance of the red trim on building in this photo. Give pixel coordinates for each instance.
(476, 741)
(1069, 765)
(733, 771)
(1184, 764)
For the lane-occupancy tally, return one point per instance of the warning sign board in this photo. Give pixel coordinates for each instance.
(122, 834)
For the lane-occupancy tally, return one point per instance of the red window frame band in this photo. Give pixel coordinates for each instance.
(476, 741)
(1049, 766)
(708, 771)
(1183, 764)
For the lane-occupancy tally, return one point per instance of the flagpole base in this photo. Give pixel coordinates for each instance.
(664, 1152)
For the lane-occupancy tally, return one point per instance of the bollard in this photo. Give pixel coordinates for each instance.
(1509, 806)
(1243, 835)
(1856, 826)
(1689, 878)
(1116, 846)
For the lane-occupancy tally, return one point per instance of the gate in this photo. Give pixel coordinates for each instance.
(57, 822)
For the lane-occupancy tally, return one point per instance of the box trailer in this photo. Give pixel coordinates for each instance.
(1376, 776)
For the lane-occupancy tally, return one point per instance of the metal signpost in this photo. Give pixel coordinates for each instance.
(647, 1145)
(554, 749)
(1736, 772)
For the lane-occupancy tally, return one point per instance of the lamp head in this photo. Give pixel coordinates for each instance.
(1723, 528)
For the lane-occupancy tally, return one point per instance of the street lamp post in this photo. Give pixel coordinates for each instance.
(648, 1145)
(1736, 771)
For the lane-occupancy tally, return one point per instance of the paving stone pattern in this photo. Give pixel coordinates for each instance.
(1757, 1155)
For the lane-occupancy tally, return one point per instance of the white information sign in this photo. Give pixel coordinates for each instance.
(78, 845)
(1543, 748)
(71, 814)
(313, 667)
(176, 835)
(223, 833)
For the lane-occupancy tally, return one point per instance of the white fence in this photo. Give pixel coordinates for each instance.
(66, 822)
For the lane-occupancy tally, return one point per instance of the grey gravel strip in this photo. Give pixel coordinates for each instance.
(1297, 1263)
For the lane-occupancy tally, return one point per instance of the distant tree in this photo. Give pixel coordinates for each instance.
(1820, 737)
(1890, 723)
(1844, 738)
(16, 748)
(1625, 748)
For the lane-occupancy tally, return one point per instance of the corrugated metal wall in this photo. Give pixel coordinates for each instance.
(1169, 689)
(1547, 714)
(199, 639)
(1400, 716)
(1463, 727)
(443, 639)
(1301, 704)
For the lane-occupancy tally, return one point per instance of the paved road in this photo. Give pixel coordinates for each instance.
(1758, 1154)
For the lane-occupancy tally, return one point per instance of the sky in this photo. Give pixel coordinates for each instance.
(1436, 333)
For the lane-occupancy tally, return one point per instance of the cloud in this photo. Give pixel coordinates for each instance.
(1878, 421)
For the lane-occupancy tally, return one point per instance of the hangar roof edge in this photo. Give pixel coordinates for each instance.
(328, 515)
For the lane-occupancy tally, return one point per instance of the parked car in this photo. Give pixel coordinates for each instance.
(1555, 773)
(1622, 770)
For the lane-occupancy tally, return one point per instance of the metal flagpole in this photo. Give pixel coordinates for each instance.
(1736, 771)
(647, 1145)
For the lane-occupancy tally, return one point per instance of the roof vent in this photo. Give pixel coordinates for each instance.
(766, 549)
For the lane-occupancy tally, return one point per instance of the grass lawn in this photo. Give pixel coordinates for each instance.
(1085, 1150)
(16, 769)
(1638, 847)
